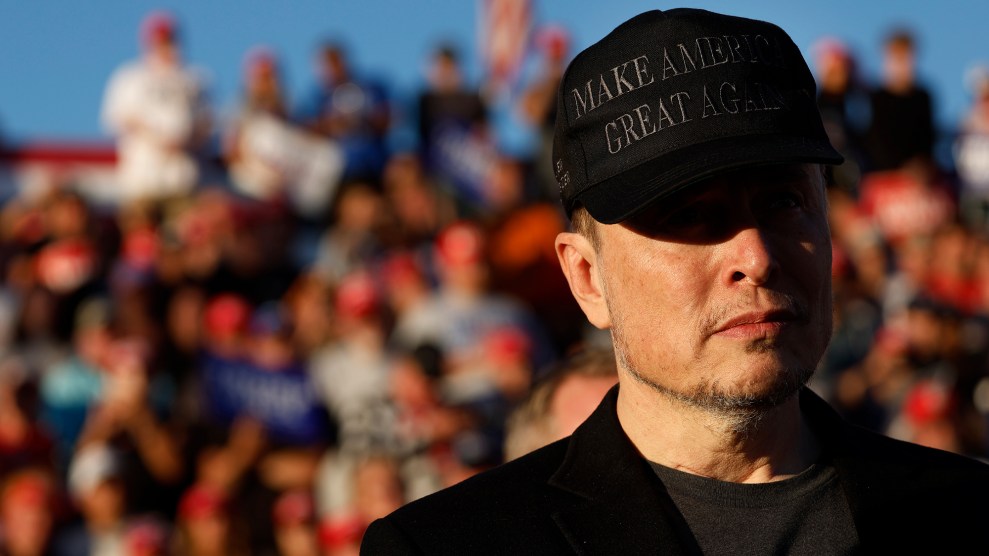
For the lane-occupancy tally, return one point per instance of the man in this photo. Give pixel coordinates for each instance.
(689, 154)
(157, 109)
(560, 401)
(902, 131)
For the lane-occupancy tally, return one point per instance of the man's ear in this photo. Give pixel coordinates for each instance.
(580, 264)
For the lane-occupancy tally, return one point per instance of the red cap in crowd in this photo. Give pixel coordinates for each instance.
(460, 244)
(260, 60)
(293, 508)
(201, 502)
(357, 296)
(340, 530)
(226, 315)
(157, 28)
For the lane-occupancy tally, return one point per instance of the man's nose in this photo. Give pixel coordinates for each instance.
(749, 257)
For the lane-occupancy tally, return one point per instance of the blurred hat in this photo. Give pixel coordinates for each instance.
(146, 536)
(226, 315)
(460, 244)
(158, 27)
(201, 502)
(553, 40)
(669, 99)
(260, 60)
(66, 265)
(831, 47)
(340, 530)
(507, 343)
(927, 401)
(401, 268)
(91, 466)
(28, 490)
(140, 248)
(293, 508)
(357, 296)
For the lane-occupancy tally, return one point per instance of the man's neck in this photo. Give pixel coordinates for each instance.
(671, 433)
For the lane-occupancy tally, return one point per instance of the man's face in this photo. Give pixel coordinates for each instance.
(720, 297)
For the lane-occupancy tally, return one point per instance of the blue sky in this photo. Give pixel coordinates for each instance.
(56, 55)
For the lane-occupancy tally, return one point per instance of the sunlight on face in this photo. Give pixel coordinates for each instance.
(720, 297)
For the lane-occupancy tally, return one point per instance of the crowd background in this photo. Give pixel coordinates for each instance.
(264, 331)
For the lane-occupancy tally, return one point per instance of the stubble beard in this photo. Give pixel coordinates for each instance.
(737, 412)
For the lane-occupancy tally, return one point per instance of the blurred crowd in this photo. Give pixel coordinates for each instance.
(286, 323)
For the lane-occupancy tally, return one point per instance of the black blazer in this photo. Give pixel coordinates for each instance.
(593, 493)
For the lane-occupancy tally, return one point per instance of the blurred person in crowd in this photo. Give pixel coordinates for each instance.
(146, 536)
(157, 108)
(447, 104)
(842, 101)
(205, 526)
(521, 99)
(341, 535)
(415, 385)
(868, 394)
(378, 488)
(309, 306)
(972, 151)
(353, 239)
(351, 373)
(950, 278)
(857, 317)
(36, 338)
(902, 119)
(351, 109)
(70, 263)
(538, 101)
(183, 339)
(523, 263)
(491, 344)
(981, 276)
(463, 311)
(420, 208)
(257, 262)
(913, 201)
(405, 282)
(560, 401)
(195, 233)
(27, 512)
(69, 388)
(224, 244)
(294, 518)
(96, 485)
(128, 420)
(448, 111)
(55, 258)
(701, 242)
(268, 157)
(926, 417)
(253, 372)
(24, 441)
(357, 488)
(427, 423)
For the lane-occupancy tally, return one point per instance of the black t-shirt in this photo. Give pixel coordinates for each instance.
(806, 514)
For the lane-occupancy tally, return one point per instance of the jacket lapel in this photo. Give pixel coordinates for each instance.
(625, 508)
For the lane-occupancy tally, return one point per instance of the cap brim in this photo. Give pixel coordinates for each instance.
(615, 199)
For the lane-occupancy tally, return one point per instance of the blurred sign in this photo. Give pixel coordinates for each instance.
(505, 26)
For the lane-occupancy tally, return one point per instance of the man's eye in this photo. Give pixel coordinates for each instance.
(698, 220)
(784, 200)
(685, 217)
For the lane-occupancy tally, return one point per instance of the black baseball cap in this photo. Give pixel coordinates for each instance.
(670, 98)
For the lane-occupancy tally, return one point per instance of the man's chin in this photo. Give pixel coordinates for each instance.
(765, 391)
